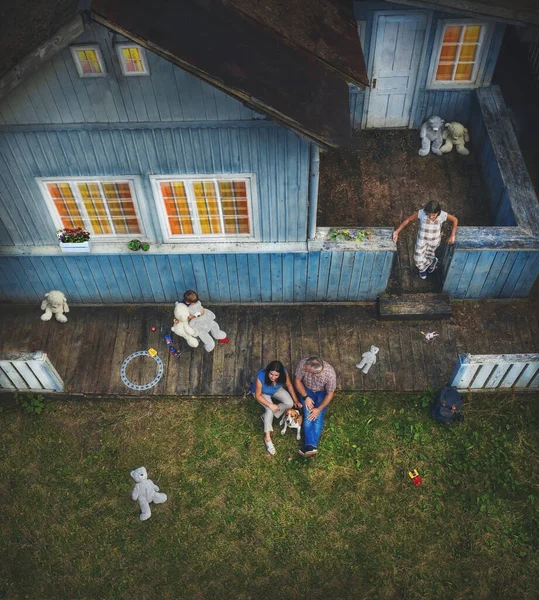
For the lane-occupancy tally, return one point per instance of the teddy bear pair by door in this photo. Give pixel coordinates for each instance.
(439, 137)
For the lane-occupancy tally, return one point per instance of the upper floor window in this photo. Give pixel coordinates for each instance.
(132, 59)
(461, 53)
(209, 207)
(88, 60)
(107, 208)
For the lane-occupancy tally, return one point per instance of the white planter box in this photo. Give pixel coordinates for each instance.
(76, 247)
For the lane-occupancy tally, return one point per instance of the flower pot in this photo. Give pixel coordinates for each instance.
(76, 247)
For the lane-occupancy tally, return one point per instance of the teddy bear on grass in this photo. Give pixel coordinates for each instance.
(55, 303)
(431, 136)
(181, 325)
(455, 134)
(145, 491)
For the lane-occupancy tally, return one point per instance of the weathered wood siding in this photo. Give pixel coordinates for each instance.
(491, 169)
(56, 94)
(489, 272)
(357, 100)
(322, 276)
(450, 104)
(278, 157)
(488, 372)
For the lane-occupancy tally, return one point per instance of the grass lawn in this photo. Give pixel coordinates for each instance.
(239, 524)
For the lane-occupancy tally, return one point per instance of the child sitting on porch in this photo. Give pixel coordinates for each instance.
(203, 321)
(429, 235)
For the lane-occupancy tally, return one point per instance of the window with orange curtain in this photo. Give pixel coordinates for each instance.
(206, 207)
(104, 208)
(459, 54)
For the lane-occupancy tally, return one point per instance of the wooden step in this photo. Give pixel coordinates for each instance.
(410, 307)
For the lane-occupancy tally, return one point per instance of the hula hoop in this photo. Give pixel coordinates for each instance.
(154, 381)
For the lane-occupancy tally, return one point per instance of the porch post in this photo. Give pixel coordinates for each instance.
(314, 177)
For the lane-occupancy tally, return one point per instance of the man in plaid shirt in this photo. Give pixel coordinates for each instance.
(316, 382)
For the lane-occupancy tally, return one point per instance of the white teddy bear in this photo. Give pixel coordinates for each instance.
(455, 134)
(431, 136)
(369, 359)
(204, 324)
(145, 491)
(182, 328)
(55, 303)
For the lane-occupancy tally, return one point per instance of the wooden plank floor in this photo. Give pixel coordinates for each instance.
(89, 349)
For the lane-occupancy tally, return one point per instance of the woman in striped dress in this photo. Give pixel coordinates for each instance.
(429, 235)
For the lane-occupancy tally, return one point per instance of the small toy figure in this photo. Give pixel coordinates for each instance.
(368, 359)
(414, 476)
(55, 303)
(429, 336)
(173, 351)
(145, 491)
(431, 136)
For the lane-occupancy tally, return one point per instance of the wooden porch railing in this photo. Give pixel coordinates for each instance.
(29, 371)
(488, 372)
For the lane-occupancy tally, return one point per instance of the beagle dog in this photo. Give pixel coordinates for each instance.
(292, 418)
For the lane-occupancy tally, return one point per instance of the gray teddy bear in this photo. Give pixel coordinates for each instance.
(145, 491)
(431, 134)
(369, 359)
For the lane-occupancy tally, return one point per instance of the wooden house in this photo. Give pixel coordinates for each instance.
(189, 126)
(197, 127)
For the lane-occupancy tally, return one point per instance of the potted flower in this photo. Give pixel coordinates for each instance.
(76, 239)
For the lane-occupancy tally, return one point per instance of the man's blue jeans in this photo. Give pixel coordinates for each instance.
(312, 430)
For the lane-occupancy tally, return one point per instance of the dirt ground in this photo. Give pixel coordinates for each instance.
(380, 179)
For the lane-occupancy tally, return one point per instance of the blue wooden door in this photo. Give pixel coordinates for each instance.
(398, 44)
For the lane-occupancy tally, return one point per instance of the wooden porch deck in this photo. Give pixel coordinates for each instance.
(88, 350)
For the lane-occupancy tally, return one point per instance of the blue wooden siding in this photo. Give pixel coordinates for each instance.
(491, 169)
(450, 104)
(56, 94)
(357, 100)
(278, 157)
(291, 277)
(490, 273)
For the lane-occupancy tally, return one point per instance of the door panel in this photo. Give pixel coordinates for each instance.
(398, 42)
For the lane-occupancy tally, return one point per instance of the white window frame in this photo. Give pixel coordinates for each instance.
(487, 30)
(98, 53)
(119, 47)
(168, 237)
(136, 194)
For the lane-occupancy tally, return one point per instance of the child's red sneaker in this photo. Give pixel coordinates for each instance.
(224, 341)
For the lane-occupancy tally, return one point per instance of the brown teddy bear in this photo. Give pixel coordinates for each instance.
(455, 134)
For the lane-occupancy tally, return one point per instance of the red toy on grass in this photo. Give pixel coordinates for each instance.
(414, 476)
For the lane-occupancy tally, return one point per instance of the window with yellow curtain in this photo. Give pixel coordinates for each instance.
(88, 60)
(206, 207)
(459, 54)
(132, 59)
(104, 208)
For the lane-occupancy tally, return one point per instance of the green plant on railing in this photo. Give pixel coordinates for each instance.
(348, 235)
(31, 404)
